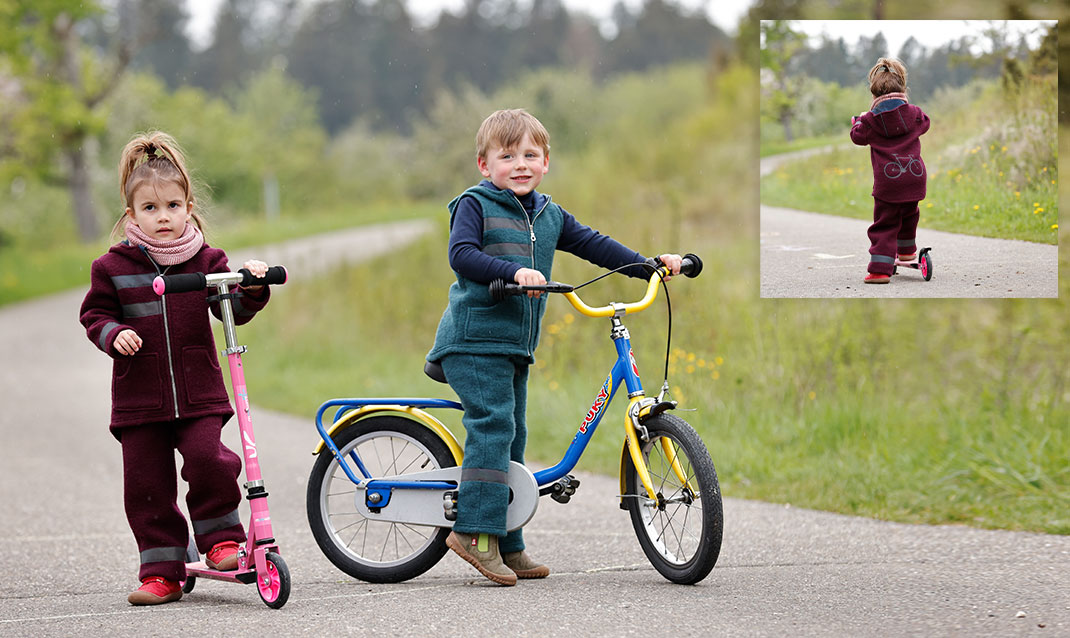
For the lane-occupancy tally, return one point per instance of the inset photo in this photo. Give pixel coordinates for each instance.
(909, 158)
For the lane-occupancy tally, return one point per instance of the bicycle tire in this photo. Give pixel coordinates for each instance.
(681, 532)
(397, 551)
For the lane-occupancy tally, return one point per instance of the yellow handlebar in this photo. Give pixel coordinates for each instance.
(623, 308)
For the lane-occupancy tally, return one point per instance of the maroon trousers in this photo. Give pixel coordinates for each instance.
(895, 225)
(150, 491)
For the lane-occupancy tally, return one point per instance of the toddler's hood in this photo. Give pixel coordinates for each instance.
(895, 122)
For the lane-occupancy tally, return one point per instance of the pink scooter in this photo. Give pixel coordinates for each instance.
(923, 262)
(259, 560)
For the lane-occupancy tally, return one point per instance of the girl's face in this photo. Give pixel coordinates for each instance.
(160, 210)
(519, 169)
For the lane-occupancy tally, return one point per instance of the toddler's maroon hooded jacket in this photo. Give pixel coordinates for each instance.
(176, 372)
(895, 151)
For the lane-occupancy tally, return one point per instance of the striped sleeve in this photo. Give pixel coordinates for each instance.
(101, 313)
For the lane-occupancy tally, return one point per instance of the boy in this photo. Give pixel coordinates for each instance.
(503, 228)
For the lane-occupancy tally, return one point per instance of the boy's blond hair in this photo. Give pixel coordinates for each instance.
(888, 75)
(505, 128)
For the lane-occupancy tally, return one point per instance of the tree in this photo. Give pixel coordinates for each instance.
(59, 88)
(780, 90)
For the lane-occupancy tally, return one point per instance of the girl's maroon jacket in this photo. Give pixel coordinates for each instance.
(176, 372)
(895, 151)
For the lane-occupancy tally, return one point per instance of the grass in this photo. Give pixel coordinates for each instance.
(776, 147)
(29, 271)
(974, 198)
(954, 419)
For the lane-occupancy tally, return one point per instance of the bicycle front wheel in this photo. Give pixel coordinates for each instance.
(375, 551)
(680, 532)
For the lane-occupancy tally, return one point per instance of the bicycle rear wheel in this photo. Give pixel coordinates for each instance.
(680, 532)
(375, 551)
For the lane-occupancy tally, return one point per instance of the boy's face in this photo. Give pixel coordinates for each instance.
(519, 169)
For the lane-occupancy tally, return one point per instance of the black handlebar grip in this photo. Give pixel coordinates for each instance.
(274, 276)
(500, 289)
(691, 265)
(179, 283)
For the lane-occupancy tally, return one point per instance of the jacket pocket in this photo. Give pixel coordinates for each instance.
(136, 383)
(202, 376)
(502, 324)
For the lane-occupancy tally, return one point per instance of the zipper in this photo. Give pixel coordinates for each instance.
(531, 229)
(167, 336)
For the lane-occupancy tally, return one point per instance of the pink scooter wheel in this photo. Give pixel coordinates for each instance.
(274, 586)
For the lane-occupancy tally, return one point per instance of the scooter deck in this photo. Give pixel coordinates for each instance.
(202, 570)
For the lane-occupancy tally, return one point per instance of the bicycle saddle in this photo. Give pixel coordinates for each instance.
(433, 369)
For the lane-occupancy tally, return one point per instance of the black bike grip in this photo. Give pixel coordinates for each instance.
(167, 284)
(691, 265)
(274, 276)
(500, 289)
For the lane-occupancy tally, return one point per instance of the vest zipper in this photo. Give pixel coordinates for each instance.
(531, 228)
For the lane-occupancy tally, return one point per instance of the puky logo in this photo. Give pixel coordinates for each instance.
(597, 408)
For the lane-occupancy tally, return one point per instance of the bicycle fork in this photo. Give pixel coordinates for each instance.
(639, 408)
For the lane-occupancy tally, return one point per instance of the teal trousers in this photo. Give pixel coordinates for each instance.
(493, 391)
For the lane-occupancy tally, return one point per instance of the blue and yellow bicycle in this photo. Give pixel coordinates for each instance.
(382, 495)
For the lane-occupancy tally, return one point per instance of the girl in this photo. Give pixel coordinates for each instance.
(892, 128)
(167, 388)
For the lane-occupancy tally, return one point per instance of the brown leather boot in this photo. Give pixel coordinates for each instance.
(524, 567)
(481, 550)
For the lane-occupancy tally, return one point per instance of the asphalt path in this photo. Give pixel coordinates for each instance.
(68, 559)
(806, 254)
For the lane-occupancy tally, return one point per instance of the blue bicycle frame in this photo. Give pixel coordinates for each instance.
(624, 370)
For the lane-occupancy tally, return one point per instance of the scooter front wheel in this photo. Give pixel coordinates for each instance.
(926, 266)
(274, 584)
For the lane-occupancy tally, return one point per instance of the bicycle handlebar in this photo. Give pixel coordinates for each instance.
(167, 284)
(691, 267)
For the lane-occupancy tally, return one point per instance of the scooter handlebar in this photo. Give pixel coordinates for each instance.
(186, 282)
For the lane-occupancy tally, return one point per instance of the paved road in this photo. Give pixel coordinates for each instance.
(805, 254)
(68, 559)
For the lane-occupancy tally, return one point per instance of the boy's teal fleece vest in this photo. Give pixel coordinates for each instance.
(473, 323)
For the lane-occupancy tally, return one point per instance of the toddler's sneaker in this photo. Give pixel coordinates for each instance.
(223, 556)
(155, 590)
(481, 550)
(523, 566)
(875, 278)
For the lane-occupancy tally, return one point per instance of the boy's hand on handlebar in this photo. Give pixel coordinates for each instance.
(127, 342)
(530, 277)
(257, 269)
(672, 263)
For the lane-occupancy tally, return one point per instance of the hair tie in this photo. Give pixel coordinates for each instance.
(150, 150)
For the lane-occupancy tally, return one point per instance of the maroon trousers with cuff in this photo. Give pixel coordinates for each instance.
(895, 225)
(150, 491)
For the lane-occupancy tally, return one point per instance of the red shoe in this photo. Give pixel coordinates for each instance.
(155, 591)
(223, 556)
(874, 278)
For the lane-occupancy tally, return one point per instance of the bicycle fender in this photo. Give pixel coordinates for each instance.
(416, 414)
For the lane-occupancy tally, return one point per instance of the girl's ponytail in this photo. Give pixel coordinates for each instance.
(888, 75)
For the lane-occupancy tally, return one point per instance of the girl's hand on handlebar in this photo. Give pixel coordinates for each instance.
(258, 269)
(672, 263)
(530, 277)
(127, 342)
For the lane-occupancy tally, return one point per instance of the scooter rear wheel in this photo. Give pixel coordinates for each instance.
(926, 266)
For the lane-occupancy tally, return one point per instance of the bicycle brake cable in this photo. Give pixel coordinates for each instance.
(668, 307)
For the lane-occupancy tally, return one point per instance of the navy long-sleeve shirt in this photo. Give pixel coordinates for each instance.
(466, 242)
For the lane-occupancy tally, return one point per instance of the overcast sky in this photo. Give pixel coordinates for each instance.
(929, 33)
(723, 13)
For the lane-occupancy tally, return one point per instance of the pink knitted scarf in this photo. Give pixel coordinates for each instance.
(167, 253)
(886, 97)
